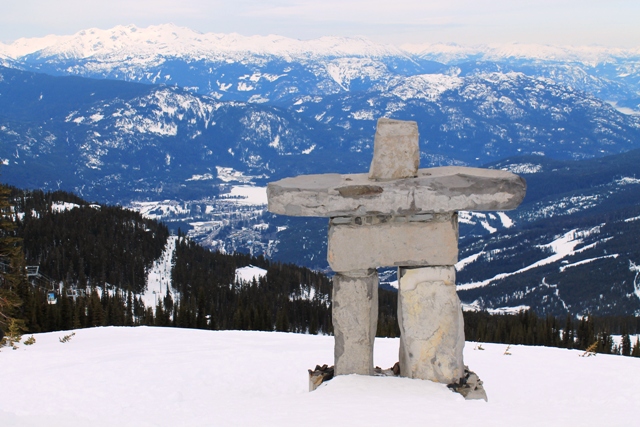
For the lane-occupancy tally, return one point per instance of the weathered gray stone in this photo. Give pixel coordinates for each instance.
(355, 320)
(431, 324)
(371, 242)
(434, 190)
(473, 389)
(320, 375)
(396, 152)
(469, 386)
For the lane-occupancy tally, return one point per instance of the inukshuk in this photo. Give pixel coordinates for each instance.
(397, 215)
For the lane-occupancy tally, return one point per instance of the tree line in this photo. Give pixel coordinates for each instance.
(527, 328)
(107, 251)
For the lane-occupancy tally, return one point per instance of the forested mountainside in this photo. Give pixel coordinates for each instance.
(570, 247)
(93, 264)
(87, 245)
(95, 259)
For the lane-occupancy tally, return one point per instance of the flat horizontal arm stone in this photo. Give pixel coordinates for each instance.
(434, 190)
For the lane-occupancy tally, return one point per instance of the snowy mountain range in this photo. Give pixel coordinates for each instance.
(259, 68)
(180, 125)
(122, 141)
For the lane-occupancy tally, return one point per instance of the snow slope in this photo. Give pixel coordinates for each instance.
(184, 377)
(159, 276)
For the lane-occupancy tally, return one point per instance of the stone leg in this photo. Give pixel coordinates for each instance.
(431, 324)
(355, 321)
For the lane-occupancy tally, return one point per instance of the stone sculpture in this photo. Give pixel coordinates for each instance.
(397, 215)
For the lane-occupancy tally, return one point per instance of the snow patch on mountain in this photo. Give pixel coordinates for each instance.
(344, 70)
(309, 150)
(627, 181)
(226, 174)
(506, 221)
(635, 218)
(63, 206)
(249, 273)
(247, 195)
(489, 222)
(424, 86)
(158, 210)
(569, 205)
(460, 265)
(586, 261)
(523, 168)
(476, 306)
(562, 247)
(205, 177)
(489, 228)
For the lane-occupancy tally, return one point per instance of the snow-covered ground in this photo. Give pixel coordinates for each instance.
(184, 377)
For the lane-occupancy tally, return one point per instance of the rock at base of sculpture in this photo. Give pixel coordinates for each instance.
(320, 375)
(469, 386)
(355, 321)
(431, 324)
(393, 371)
(325, 373)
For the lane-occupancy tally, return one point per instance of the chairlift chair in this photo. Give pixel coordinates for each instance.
(51, 297)
(33, 270)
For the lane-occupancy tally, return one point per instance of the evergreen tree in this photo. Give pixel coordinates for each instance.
(636, 347)
(568, 340)
(12, 264)
(625, 345)
(129, 313)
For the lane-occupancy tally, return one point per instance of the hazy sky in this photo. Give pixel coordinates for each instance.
(563, 22)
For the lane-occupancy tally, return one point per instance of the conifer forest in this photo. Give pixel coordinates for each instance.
(92, 263)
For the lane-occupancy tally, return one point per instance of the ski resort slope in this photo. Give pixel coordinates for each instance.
(184, 377)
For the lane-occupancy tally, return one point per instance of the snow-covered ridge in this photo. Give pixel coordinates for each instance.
(425, 86)
(169, 40)
(523, 168)
(451, 52)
